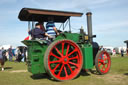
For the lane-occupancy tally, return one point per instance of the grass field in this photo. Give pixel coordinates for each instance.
(16, 74)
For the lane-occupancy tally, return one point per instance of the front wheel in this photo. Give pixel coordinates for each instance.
(102, 62)
(63, 60)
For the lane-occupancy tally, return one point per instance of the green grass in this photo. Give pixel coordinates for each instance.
(118, 75)
(119, 65)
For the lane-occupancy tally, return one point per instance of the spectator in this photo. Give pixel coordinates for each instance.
(122, 52)
(101, 48)
(25, 50)
(114, 52)
(10, 53)
(4, 55)
(17, 52)
(2, 58)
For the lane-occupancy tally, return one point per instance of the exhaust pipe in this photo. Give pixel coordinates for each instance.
(89, 26)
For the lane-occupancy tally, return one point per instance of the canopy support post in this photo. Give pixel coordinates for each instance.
(69, 25)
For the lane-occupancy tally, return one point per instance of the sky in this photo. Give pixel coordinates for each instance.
(109, 19)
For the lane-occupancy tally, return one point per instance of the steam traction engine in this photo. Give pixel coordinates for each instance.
(69, 52)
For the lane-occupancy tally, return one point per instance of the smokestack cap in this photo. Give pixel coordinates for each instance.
(88, 13)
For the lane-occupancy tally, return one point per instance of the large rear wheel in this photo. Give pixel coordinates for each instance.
(102, 62)
(63, 60)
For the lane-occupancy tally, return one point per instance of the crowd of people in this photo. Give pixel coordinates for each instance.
(17, 55)
(113, 52)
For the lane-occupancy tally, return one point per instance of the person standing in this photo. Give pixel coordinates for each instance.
(2, 58)
(101, 48)
(10, 53)
(24, 51)
(17, 52)
(114, 52)
(122, 52)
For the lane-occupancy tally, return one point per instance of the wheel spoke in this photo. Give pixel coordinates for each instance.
(57, 61)
(56, 67)
(58, 52)
(60, 70)
(70, 68)
(107, 63)
(100, 60)
(103, 67)
(63, 48)
(65, 71)
(76, 57)
(104, 56)
(101, 57)
(72, 52)
(99, 65)
(54, 55)
(67, 49)
(106, 59)
(74, 64)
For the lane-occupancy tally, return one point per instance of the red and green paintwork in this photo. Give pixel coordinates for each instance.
(37, 49)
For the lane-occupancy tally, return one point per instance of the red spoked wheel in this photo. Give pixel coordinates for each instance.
(102, 62)
(63, 60)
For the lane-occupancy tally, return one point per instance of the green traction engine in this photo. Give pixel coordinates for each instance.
(69, 52)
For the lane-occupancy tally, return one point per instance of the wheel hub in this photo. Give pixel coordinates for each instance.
(105, 62)
(65, 59)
